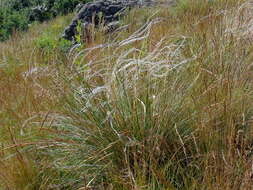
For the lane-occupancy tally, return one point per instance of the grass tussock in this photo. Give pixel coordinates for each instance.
(164, 103)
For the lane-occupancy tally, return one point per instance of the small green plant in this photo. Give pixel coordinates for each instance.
(79, 30)
(46, 43)
(64, 45)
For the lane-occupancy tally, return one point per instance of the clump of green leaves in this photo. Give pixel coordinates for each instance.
(11, 20)
(64, 45)
(46, 42)
(49, 43)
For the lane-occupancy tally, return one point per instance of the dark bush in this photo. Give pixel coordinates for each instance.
(11, 20)
(65, 6)
(40, 13)
(18, 5)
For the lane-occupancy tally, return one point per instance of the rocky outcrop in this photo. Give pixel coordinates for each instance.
(108, 11)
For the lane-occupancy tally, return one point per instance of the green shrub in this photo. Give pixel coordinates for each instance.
(12, 20)
(49, 40)
(64, 45)
(45, 42)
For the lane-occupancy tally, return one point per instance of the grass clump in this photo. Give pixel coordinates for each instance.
(165, 103)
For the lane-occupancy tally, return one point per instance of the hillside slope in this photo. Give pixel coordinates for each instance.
(17, 15)
(163, 103)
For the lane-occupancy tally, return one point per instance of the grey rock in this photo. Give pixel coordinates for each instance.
(108, 11)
